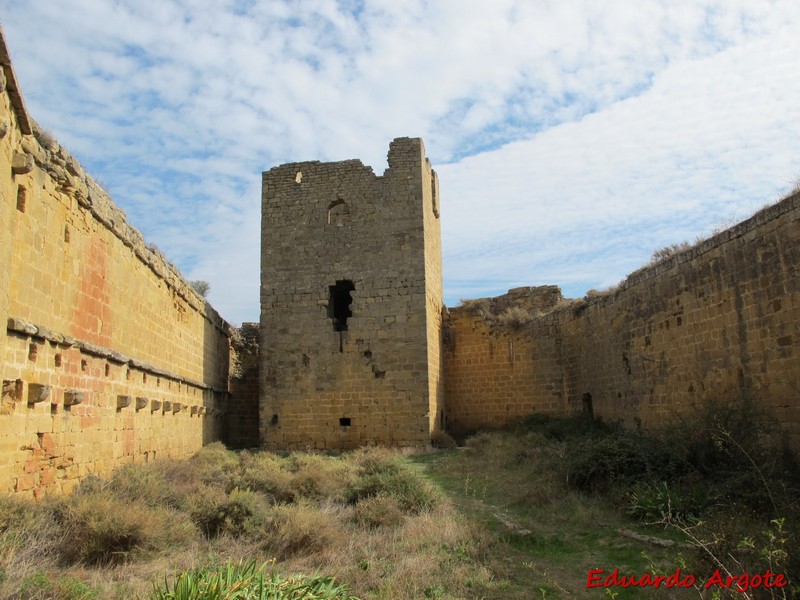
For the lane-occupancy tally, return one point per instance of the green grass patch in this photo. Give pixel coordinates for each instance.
(249, 582)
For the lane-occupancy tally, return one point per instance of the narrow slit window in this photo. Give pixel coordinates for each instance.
(339, 304)
(22, 197)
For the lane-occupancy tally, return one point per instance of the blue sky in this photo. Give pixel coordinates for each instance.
(572, 138)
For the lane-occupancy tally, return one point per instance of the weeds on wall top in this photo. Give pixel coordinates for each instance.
(201, 287)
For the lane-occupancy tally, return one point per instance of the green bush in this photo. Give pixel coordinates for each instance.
(740, 452)
(317, 477)
(240, 513)
(413, 493)
(682, 502)
(620, 458)
(560, 428)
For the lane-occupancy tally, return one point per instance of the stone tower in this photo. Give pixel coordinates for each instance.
(351, 303)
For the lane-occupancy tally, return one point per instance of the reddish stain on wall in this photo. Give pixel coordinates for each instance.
(92, 317)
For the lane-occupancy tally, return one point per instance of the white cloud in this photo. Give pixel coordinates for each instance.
(572, 138)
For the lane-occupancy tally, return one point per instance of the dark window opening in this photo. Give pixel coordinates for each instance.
(339, 304)
(587, 405)
(22, 195)
(273, 420)
(344, 422)
(338, 212)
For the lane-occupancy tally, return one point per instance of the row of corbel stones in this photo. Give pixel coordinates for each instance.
(38, 392)
(25, 328)
(42, 150)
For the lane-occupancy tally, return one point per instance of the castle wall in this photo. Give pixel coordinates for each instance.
(345, 326)
(108, 355)
(718, 322)
(502, 361)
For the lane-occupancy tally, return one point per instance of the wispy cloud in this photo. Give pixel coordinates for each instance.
(572, 139)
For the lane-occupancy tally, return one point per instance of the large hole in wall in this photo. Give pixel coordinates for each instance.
(339, 303)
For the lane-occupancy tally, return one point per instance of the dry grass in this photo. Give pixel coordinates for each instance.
(515, 317)
(367, 518)
(668, 252)
(101, 529)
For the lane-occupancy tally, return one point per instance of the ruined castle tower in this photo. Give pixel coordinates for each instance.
(351, 303)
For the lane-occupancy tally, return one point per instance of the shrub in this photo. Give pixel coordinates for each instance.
(666, 252)
(213, 465)
(301, 529)
(738, 450)
(443, 440)
(661, 502)
(102, 530)
(316, 477)
(201, 287)
(378, 511)
(268, 474)
(477, 306)
(143, 483)
(240, 513)
(561, 428)
(413, 493)
(619, 458)
(515, 317)
(30, 537)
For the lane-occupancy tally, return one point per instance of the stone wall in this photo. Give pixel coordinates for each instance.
(109, 356)
(242, 407)
(503, 359)
(351, 303)
(717, 322)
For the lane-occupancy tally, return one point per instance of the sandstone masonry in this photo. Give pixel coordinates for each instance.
(108, 355)
(351, 303)
(719, 322)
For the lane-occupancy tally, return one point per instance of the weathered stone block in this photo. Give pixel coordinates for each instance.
(38, 392)
(20, 326)
(21, 164)
(73, 397)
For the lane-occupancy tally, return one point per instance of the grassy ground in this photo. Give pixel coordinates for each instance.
(524, 513)
(544, 538)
